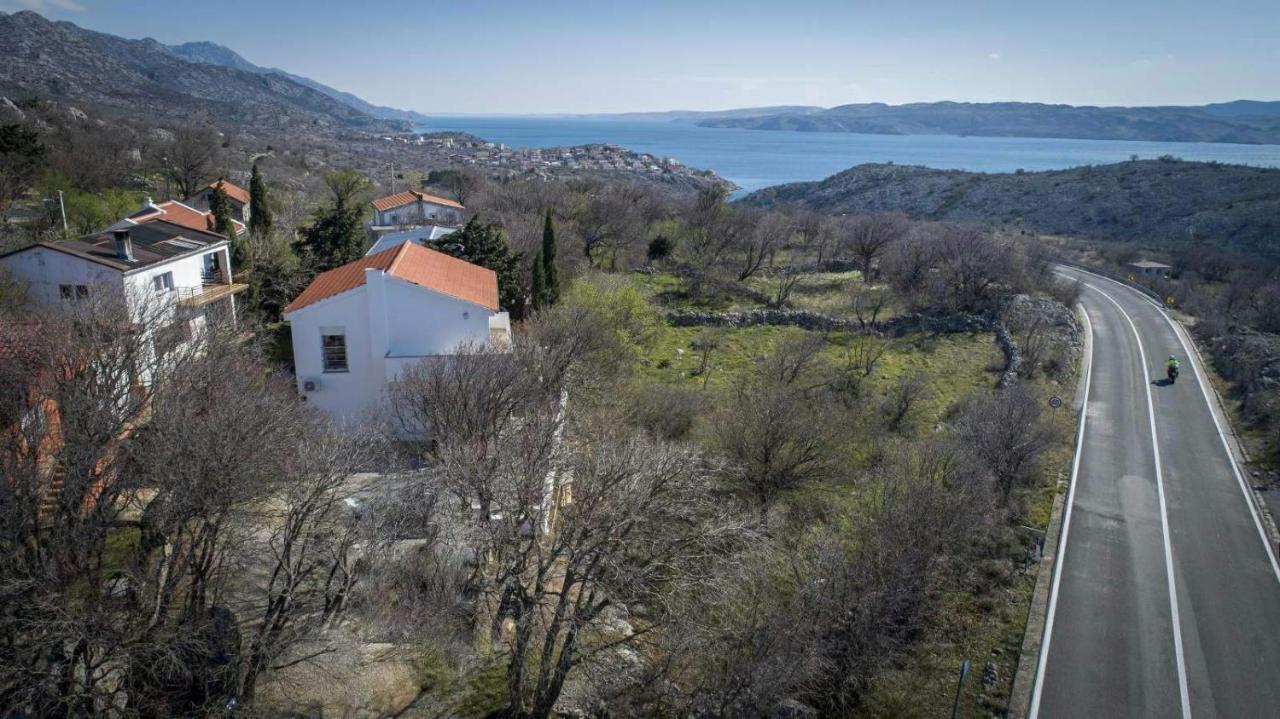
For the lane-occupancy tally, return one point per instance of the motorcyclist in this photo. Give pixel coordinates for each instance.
(1171, 367)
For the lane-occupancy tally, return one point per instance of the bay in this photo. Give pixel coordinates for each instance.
(758, 158)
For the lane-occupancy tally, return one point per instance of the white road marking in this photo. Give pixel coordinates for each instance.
(1193, 357)
(1164, 513)
(1066, 528)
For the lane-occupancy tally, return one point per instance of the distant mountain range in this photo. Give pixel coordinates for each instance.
(147, 80)
(1159, 203)
(699, 115)
(1242, 121)
(215, 54)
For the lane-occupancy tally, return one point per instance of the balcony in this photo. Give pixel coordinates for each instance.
(191, 297)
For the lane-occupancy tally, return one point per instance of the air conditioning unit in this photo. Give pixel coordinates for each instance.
(310, 385)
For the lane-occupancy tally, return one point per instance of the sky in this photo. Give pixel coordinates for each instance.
(584, 56)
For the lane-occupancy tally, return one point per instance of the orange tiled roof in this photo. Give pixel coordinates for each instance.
(180, 214)
(410, 262)
(235, 192)
(404, 198)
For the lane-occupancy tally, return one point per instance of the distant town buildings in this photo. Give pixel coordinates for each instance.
(546, 162)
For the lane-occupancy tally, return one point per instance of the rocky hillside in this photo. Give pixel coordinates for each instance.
(1241, 122)
(145, 79)
(215, 54)
(1156, 202)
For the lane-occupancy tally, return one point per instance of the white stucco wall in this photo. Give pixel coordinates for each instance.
(42, 270)
(417, 213)
(344, 395)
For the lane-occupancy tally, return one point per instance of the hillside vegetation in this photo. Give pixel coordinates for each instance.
(1160, 203)
(1242, 121)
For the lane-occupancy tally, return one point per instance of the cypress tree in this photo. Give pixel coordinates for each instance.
(220, 209)
(259, 211)
(547, 259)
(538, 292)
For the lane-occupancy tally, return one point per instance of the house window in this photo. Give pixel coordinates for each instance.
(333, 344)
(70, 292)
(163, 283)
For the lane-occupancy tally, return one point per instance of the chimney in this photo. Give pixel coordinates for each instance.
(148, 204)
(124, 245)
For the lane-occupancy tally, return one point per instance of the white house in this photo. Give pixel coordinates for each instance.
(171, 277)
(412, 209)
(357, 326)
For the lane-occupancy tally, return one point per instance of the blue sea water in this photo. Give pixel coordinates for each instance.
(758, 158)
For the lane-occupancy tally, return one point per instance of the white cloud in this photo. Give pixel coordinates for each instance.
(41, 6)
(993, 56)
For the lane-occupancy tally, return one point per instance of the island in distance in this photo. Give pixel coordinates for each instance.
(1241, 121)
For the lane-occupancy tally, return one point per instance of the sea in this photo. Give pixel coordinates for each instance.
(758, 158)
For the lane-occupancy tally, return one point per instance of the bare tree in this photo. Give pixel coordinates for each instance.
(463, 184)
(971, 264)
(770, 233)
(707, 342)
(611, 217)
(868, 237)
(908, 264)
(191, 156)
(903, 397)
(1007, 432)
(867, 303)
(774, 438)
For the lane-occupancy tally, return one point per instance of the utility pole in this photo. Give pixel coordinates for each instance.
(392, 167)
(62, 207)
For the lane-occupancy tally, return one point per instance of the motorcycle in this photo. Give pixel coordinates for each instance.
(1172, 373)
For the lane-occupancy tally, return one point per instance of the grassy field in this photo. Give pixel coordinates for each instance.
(982, 616)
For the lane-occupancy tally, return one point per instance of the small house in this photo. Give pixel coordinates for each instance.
(356, 327)
(1148, 269)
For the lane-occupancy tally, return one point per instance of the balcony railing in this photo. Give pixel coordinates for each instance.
(199, 296)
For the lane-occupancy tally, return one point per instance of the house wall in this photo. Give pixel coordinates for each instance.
(346, 396)
(417, 213)
(421, 322)
(43, 270)
(389, 324)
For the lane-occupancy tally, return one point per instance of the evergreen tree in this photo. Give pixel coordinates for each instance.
(486, 245)
(220, 209)
(336, 234)
(547, 260)
(220, 222)
(538, 292)
(259, 211)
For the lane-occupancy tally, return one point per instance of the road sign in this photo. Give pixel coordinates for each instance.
(1055, 402)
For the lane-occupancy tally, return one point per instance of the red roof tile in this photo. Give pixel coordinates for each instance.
(235, 192)
(404, 198)
(180, 214)
(410, 262)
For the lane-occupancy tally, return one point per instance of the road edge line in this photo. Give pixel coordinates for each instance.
(1060, 548)
(1183, 691)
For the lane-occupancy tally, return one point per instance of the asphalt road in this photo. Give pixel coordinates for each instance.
(1166, 595)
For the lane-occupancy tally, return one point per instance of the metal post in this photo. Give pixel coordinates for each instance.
(62, 207)
(955, 706)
